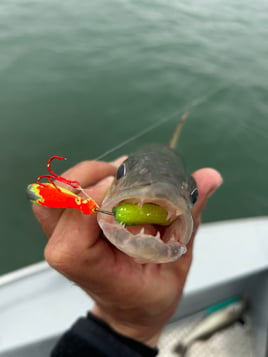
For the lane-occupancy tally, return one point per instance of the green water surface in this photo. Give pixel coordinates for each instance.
(79, 77)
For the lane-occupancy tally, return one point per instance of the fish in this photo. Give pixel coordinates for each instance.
(154, 174)
(217, 320)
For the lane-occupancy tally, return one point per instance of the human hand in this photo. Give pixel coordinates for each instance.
(134, 299)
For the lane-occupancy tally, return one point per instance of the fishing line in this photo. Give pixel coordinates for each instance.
(194, 103)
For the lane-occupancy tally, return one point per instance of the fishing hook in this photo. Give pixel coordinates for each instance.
(53, 176)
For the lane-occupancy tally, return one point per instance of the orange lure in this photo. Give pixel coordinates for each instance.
(51, 195)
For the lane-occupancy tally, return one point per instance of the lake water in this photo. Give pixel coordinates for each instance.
(79, 77)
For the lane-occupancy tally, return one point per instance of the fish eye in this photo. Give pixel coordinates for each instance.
(194, 195)
(121, 171)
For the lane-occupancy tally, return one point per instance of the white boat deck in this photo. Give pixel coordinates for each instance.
(37, 303)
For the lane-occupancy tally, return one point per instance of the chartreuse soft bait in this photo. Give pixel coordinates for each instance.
(133, 214)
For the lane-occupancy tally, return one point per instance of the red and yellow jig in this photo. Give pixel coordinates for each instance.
(51, 195)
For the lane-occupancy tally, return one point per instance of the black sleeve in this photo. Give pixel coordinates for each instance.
(91, 337)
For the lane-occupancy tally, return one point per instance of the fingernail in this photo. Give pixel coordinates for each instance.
(216, 186)
(119, 161)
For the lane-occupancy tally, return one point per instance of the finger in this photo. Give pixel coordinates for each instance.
(76, 235)
(207, 180)
(80, 225)
(47, 217)
(87, 173)
(119, 161)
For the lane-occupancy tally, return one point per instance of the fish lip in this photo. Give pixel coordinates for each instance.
(173, 242)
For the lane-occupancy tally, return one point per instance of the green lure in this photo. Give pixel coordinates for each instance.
(149, 213)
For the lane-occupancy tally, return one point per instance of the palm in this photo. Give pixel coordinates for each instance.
(77, 249)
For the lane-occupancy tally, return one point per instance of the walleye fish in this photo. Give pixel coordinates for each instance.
(155, 174)
(214, 322)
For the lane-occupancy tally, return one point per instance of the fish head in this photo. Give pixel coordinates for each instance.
(155, 175)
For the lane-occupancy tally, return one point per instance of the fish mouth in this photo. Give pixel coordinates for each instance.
(149, 242)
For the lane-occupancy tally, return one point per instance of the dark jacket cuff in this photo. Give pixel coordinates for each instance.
(93, 337)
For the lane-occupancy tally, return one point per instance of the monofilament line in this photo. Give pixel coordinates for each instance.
(194, 103)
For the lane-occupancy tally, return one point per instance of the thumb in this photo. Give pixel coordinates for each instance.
(208, 181)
